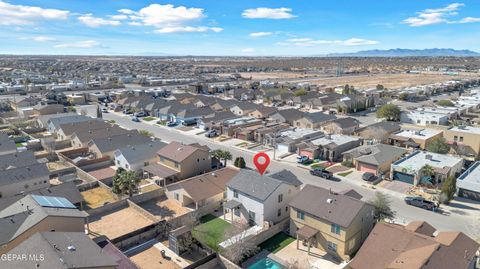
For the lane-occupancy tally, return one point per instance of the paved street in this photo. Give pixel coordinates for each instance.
(461, 217)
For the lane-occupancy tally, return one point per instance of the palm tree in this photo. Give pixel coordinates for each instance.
(125, 182)
(224, 155)
(427, 170)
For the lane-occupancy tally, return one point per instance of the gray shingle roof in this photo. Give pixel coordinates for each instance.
(260, 187)
(23, 173)
(376, 154)
(107, 144)
(62, 250)
(17, 159)
(324, 204)
(68, 119)
(6, 144)
(138, 153)
(319, 117)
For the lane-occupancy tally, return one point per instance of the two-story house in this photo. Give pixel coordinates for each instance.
(336, 223)
(178, 161)
(257, 199)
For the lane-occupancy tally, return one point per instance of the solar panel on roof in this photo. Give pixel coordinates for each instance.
(50, 201)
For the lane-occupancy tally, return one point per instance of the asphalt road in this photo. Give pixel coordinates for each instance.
(463, 217)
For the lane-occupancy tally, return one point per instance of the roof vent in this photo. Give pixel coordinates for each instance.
(428, 157)
(214, 175)
(329, 201)
(71, 248)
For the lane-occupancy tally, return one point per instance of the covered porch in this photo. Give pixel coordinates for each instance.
(307, 235)
(232, 211)
(161, 174)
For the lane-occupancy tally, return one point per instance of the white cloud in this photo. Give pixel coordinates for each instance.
(438, 15)
(248, 50)
(260, 34)
(91, 21)
(168, 18)
(309, 42)
(469, 20)
(119, 17)
(268, 13)
(38, 38)
(87, 44)
(24, 15)
(187, 29)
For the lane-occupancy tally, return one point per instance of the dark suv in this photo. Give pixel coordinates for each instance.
(369, 177)
(319, 172)
(420, 202)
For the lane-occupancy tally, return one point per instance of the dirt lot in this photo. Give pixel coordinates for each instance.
(164, 208)
(97, 197)
(117, 223)
(391, 81)
(152, 259)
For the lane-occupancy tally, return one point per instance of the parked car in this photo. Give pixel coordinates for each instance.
(420, 202)
(127, 111)
(172, 123)
(104, 110)
(135, 119)
(189, 122)
(369, 177)
(212, 133)
(320, 172)
(303, 159)
(140, 114)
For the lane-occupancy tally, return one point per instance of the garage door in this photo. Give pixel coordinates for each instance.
(403, 177)
(367, 168)
(469, 194)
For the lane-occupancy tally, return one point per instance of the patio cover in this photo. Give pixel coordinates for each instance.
(306, 232)
(160, 170)
(232, 204)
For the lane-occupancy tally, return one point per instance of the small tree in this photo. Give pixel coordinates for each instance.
(300, 92)
(240, 245)
(403, 96)
(438, 145)
(449, 188)
(390, 112)
(427, 170)
(445, 103)
(224, 155)
(380, 87)
(382, 203)
(239, 162)
(125, 182)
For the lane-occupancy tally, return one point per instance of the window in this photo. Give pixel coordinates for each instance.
(300, 215)
(331, 246)
(286, 209)
(177, 196)
(162, 159)
(280, 198)
(334, 228)
(455, 138)
(176, 165)
(235, 194)
(279, 213)
(251, 215)
(198, 160)
(461, 138)
(118, 162)
(418, 121)
(146, 163)
(126, 165)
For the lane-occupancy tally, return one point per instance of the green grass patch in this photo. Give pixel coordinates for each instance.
(211, 231)
(149, 118)
(344, 174)
(19, 145)
(318, 165)
(277, 242)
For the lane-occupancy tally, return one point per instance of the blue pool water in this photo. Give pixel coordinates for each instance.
(266, 263)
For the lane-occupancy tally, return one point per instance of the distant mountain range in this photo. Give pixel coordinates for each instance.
(410, 52)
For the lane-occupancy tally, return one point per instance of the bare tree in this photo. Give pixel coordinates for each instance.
(240, 246)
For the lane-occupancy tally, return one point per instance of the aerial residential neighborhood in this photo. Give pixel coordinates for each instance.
(220, 135)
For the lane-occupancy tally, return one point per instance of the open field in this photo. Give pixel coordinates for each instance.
(97, 197)
(391, 81)
(164, 208)
(117, 223)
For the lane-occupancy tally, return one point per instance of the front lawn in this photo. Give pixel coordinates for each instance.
(149, 118)
(277, 242)
(211, 231)
(318, 165)
(344, 174)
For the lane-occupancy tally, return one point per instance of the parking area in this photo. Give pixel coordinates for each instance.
(119, 222)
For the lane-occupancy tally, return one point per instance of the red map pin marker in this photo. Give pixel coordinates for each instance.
(261, 161)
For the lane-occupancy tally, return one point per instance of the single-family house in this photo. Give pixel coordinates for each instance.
(286, 115)
(262, 112)
(243, 108)
(465, 140)
(258, 199)
(410, 169)
(375, 159)
(106, 146)
(205, 190)
(16, 180)
(33, 214)
(411, 138)
(345, 126)
(81, 137)
(136, 157)
(468, 183)
(65, 131)
(53, 124)
(178, 161)
(377, 132)
(336, 223)
(313, 120)
(420, 117)
(328, 147)
(415, 246)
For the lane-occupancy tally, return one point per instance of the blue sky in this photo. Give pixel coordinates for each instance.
(230, 27)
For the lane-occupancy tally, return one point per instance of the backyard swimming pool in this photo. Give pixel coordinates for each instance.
(266, 263)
